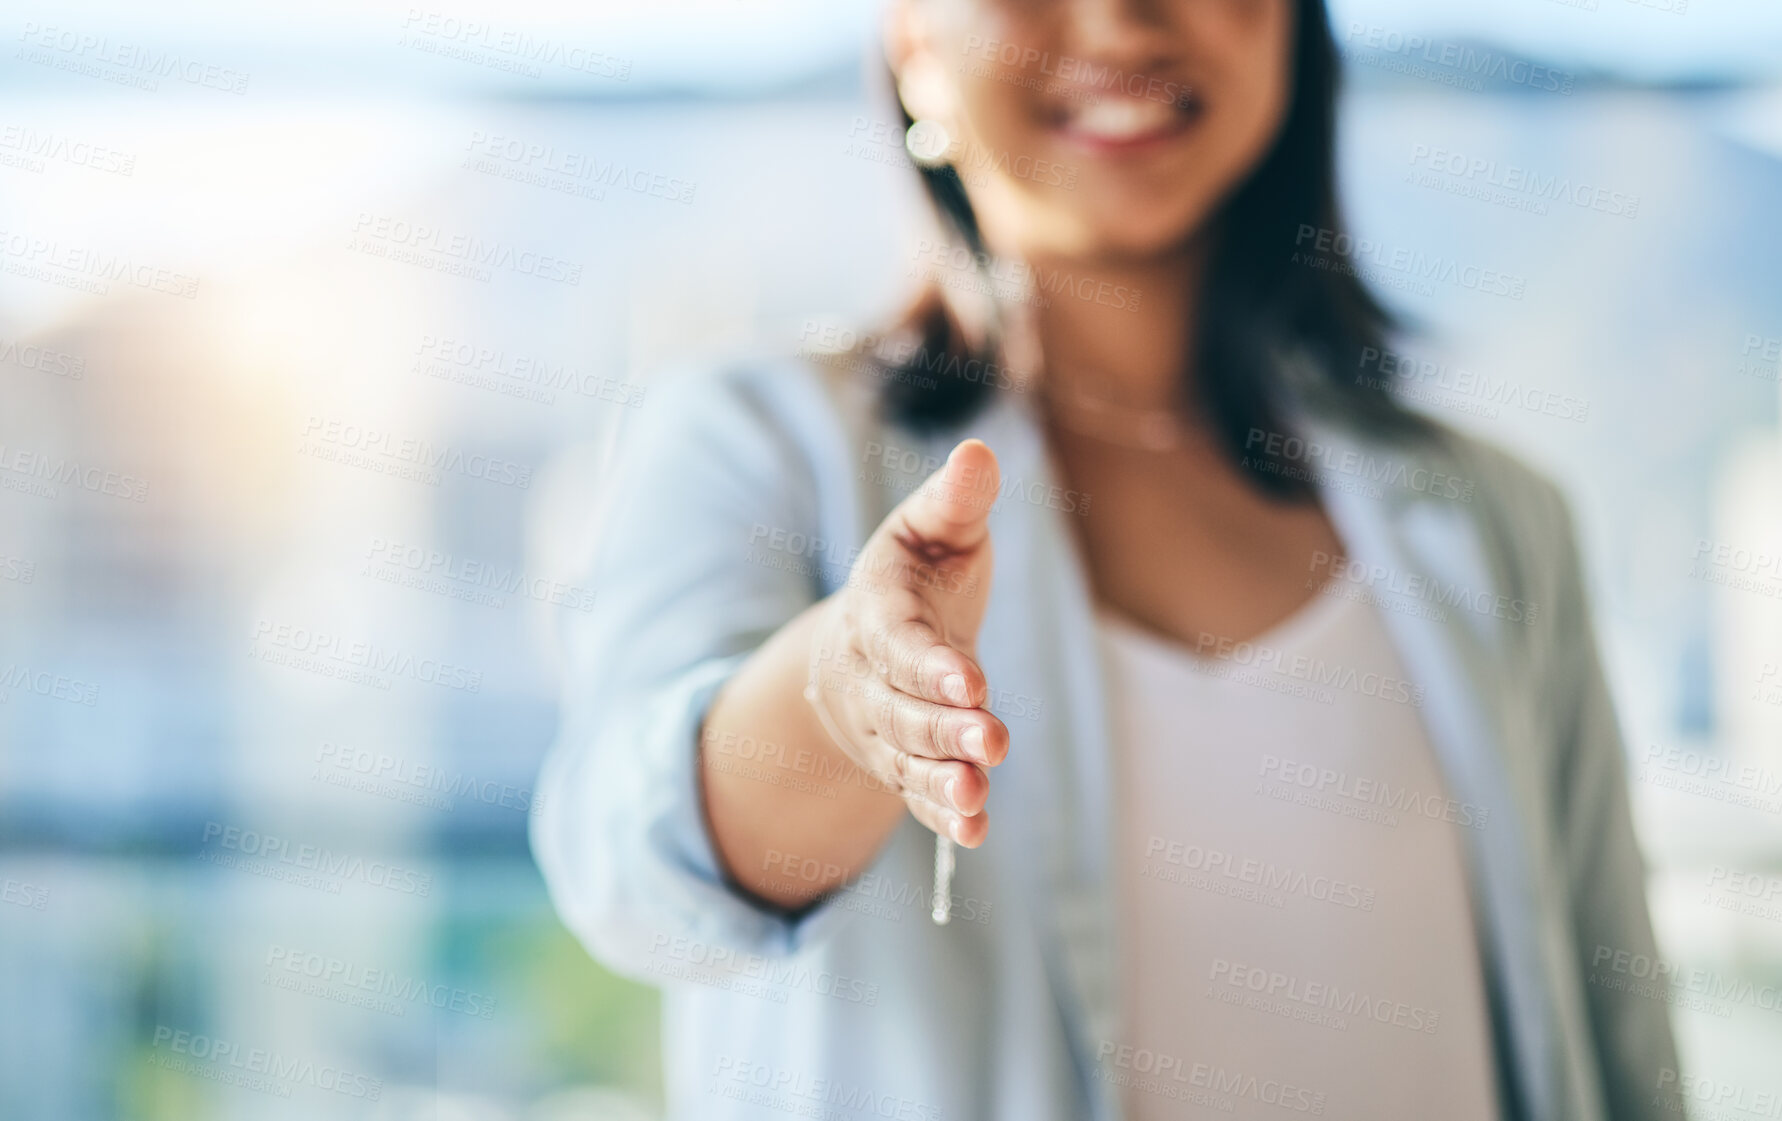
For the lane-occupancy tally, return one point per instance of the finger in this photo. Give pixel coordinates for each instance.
(934, 731)
(948, 516)
(910, 655)
(968, 831)
(962, 788)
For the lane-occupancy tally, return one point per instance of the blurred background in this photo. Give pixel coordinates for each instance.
(317, 321)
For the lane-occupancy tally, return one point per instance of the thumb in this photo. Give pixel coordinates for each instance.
(949, 514)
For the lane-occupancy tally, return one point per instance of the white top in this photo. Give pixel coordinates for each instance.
(1296, 931)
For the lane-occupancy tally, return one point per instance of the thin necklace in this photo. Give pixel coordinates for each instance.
(1151, 430)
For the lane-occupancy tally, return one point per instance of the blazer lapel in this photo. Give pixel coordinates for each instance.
(1469, 749)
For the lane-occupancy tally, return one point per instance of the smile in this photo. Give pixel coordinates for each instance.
(1122, 125)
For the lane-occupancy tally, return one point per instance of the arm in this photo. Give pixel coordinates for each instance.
(796, 792)
(660, 815)
(684, 598)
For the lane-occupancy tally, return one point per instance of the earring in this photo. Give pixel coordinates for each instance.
(927, 142)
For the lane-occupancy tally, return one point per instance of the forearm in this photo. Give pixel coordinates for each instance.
(791, 817)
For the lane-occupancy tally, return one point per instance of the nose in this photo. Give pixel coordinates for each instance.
(1131, 32)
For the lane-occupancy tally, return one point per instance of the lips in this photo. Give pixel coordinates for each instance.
(1120, 124)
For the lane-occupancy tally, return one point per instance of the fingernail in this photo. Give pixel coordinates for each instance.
(952, 792)
(953, 829)
(953, 688)
(973, 741)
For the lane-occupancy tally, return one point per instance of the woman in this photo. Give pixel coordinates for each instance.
(1267, 718)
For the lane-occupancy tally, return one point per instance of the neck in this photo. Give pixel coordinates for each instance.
(1109, 346)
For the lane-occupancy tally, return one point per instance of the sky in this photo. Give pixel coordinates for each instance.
(730, 46)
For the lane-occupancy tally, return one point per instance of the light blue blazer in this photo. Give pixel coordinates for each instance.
(735, 502)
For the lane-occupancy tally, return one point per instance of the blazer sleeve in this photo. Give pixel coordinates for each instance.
(685, 591)
(1604, 869)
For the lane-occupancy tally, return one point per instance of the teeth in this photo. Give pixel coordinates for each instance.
(1120, 118)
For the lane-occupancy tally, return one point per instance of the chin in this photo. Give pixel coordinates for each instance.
(1124, 234)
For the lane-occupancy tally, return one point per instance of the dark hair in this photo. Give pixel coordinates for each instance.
(1269, 328)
